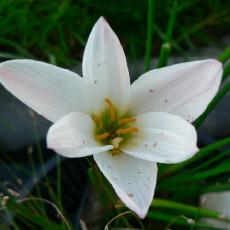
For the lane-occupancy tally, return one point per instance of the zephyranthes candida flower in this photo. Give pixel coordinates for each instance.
(127, 128)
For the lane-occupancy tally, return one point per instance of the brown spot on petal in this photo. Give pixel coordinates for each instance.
(151, 90)
(130, 194)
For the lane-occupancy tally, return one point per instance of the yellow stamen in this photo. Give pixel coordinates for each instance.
(102, 136)
(111, 110)
(127, 120)
(127, 130)
(98, 120)
(116, 141)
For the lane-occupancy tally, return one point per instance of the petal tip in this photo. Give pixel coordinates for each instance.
(142, 213)
(101, 22)
(215, 63)
(101, 19)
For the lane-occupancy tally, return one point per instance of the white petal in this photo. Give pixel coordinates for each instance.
(73, 136)
(162, 137)
(105, 67)
(134, 180)
(183, 89)
(49, 90)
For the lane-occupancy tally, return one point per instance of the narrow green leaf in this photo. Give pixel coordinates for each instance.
(164, 54)
(225, 55)
(204, 152)
(211, 160)
(171, 22)
(178, 220)
(173, 44)
(187, 209)
(226, 72)
(149, 40)
(166, 46)
(188, 177)
(217, 187)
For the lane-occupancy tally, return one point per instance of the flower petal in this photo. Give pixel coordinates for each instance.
(105, 67)
(72, 136)
(49, 90)
(133, 180)
(162, 137)
(183, 89)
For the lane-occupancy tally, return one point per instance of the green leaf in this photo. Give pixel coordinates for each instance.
(225, 55)
(149, 40)
(204, 152)
(226, 72)
(178, 220)
(187, 209)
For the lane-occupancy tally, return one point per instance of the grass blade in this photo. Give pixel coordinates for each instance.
(178, 220)
(187, 209)
(149, 40)
(166, 46)
(204, 152)
(226, 72)
(225, 55)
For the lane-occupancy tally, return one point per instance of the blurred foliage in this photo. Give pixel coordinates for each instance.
(56, 31)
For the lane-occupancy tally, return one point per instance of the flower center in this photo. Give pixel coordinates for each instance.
(112, 128)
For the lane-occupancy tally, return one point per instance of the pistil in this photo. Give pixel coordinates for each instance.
(111, 110)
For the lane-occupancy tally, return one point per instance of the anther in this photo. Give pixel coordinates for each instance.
(102, 136)
(111, 110)
(127, 130)
(116, 141)
(127, 120)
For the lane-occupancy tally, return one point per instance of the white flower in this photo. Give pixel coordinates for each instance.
(127, 128)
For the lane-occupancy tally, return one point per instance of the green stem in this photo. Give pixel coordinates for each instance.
(59, 190)
(225, 55)
(187, 177)
(171, 22)
(164, 54)
(187, 209)
(149, 40)
(211, 161)
(166, 46)
(226, 72)
(178, 220)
